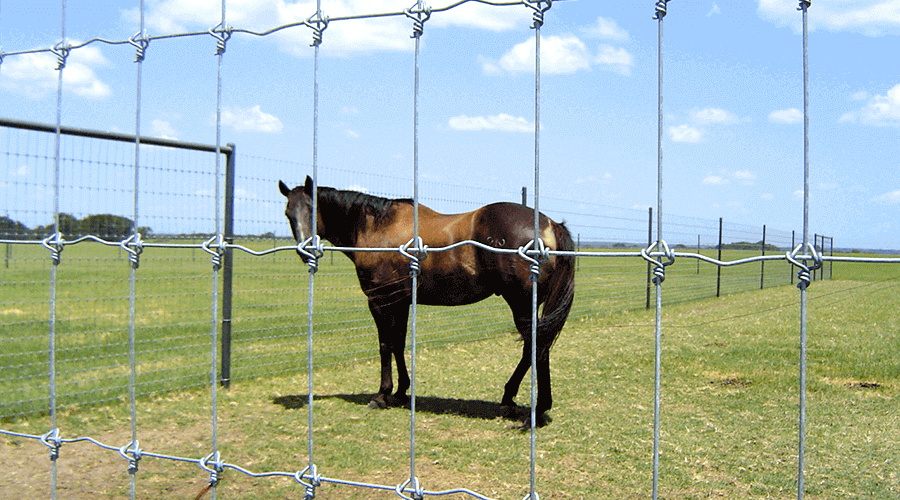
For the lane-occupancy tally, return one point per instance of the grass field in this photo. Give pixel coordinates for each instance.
(729, 388)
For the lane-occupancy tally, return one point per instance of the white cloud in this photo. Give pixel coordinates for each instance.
(848, 118)
(607, 29)
(883, 109)
(618, 60)
(892, 197)
(352, 134)
(501, 122)
(35, 75)
(713, 10)
(685, 133)
(163, 129)
(559, 55)
(871, 18)
(744, 175)
(789, 116)
(251, 119)
(473, 15)
(709, 116)
(862, 95)
(715, 180)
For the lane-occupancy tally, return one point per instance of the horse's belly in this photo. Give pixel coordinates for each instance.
(450, 291)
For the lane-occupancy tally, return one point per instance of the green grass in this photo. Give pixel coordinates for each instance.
(729, 407)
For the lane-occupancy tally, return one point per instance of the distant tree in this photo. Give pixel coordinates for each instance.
(107, 226)
(12, 229)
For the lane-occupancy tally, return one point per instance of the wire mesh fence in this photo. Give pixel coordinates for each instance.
(269, 292)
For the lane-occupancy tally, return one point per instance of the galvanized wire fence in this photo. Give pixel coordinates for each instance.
(133, 302)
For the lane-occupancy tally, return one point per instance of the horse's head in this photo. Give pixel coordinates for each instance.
(299, 209)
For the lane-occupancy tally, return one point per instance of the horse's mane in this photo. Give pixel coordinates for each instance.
(354, 206)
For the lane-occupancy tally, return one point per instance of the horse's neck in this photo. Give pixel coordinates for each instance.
(338, 228)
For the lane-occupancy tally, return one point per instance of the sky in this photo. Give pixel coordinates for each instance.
(732, 116)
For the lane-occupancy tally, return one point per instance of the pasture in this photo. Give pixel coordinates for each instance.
(729, 411)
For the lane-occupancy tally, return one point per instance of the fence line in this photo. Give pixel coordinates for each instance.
(218, 247)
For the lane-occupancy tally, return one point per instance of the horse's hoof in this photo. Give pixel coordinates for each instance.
(377, 403)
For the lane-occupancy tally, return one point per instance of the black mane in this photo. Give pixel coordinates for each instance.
(346, 211)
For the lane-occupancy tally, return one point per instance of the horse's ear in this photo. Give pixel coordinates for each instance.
(308, 187)
(283, 188)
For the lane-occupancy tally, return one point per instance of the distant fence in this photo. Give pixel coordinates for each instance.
(261, 298)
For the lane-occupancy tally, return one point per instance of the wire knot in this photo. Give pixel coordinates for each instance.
(420, 251)
(221, 33)
(215, 468)
(417, 492)
(804, 275)
(51, 440)
(217, 252)
(314, 481)
(659, 268)
(134, 458)
(61, 50)
(317, 23)
(537, 16)
(660, 9)
(134, 246)
(311, 249)
(418, 17)
(140, 42)
(804, 4)
(56, 245)
(543, 255)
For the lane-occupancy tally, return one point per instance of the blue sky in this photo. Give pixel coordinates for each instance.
(733, 144)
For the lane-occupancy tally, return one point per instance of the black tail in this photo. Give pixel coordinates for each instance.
(559, 295)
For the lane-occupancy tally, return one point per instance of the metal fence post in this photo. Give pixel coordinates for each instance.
(649, 242)
(227, 267)
(762, 263)
(719, 268)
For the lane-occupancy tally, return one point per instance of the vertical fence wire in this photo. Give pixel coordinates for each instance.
(54, 450)
(660, 14)
(313, 264)
(419, 16)
(538, 22)
(139, 60)
(214, 456)
(801, 446)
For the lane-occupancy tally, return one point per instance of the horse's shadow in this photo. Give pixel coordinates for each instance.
(469, 408)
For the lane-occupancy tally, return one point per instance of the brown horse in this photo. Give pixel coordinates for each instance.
(463, 275)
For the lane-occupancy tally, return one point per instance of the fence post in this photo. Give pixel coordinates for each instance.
(649, 242)
(815, 245)
(793, 243)
(762, 263)
(524, 196)
(719, 268)
(227, 268)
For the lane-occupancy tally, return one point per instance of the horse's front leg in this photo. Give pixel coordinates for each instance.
(391, 323)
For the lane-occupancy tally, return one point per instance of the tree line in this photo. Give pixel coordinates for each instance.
(106, 226)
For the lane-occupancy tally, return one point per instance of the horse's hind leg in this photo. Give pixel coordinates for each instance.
(508, 404)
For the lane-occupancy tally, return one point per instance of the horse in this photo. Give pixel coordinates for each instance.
(463, 275)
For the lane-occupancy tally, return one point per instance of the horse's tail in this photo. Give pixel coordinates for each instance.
(560, 292)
